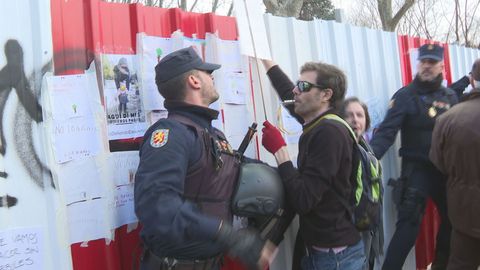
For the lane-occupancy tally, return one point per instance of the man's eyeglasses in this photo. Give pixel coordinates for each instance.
(304, 86)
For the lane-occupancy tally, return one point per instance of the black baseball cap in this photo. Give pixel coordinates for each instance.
(179, 62)
(430, 51)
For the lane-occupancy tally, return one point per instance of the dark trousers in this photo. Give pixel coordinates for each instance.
(465, 252)
(150, 261)
(423, 181)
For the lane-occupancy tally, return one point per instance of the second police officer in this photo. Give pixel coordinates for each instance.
(413, 110)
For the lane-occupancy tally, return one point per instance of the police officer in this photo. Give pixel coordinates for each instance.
(187, 175)
(413, 110)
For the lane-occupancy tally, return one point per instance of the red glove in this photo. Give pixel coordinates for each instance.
(272, 139)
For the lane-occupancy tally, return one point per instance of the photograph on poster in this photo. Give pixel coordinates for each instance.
(125, 115)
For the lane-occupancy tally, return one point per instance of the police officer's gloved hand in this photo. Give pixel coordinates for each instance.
(272, 139)
(245, 245)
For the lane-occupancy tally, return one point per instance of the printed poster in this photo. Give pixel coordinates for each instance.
(125, 114)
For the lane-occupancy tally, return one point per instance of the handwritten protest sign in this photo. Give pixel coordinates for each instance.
(21, 249)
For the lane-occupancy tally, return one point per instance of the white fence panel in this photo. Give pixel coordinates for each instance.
(32, 229)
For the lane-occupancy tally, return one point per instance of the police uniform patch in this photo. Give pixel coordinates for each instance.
(159, 138)
(224, 146)
(441, 105)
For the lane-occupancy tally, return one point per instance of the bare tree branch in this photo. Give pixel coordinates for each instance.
(230, 10)
(271, 4)
(170, 4)
(389, 23)
(468, 26)
(214, 5)
(407, 5)
(193, 5)
(182, 4)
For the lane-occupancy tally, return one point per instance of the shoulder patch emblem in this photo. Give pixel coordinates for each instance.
(159, 138)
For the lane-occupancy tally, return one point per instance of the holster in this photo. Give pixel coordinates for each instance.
(149, 261)
(399, 185)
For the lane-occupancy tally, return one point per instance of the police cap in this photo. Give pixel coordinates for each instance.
(430, 51)
(179, 62)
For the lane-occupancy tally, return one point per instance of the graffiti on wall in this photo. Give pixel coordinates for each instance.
(13, 77)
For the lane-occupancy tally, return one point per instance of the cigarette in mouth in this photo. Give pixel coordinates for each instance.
(288, 102)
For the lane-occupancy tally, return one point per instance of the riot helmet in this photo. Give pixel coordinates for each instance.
(259, 192)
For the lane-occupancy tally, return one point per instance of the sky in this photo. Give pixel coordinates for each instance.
(343, 4)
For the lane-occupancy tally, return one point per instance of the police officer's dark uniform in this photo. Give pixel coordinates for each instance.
(413, 110)
(184, 184)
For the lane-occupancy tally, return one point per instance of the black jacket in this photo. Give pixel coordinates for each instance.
(172, 224)
(325, 160)
(413, 110)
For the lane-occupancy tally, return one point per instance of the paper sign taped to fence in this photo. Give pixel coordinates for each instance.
(152, 50)
(22, 248)
(234, 87)
(124, 205)
(69, 96)
(124, 166)
(251, 28)
(88, 221)
(80, 180)
(75, 138)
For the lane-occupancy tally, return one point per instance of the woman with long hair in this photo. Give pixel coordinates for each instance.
(355, 113)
